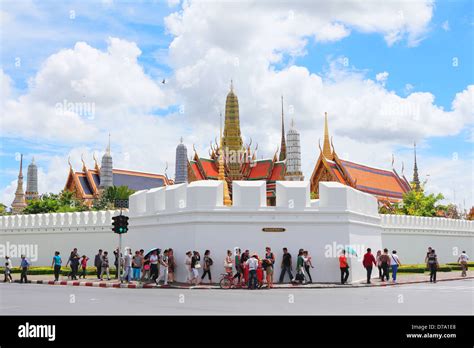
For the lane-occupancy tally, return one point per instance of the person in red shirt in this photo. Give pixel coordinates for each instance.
(344, 266)
(368, 261)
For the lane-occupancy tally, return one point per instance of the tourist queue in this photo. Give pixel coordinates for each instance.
(245, 268)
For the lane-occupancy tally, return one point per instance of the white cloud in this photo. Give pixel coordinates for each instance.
(211, 46)
(382, 77)
(102, 82)
(445, 26)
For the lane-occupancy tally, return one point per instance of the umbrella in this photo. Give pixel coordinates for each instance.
(351, 251)
(147, 255)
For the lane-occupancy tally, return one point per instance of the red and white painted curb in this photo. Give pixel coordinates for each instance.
(93, 284)
(100, 284)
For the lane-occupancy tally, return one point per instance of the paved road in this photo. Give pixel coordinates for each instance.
(451, 297)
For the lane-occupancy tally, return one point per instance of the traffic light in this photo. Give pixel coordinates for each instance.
(120, 224)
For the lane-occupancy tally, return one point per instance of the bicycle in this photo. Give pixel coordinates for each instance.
(228, 281)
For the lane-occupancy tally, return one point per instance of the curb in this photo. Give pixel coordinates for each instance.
(197, 287)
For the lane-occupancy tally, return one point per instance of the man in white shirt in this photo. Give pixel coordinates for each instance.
(154, 265)
(394, 263)
(164, 267)
(463, 258)
(253, 265)
(127, 265)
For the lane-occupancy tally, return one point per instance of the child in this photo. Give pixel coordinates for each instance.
(146, 270)
(84, 266)
(8, 270)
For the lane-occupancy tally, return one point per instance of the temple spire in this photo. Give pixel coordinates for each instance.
(293, 160)
(108, 147)
(221, 175)
(32, 181)
(283, 142)
(19, 203)
(106, 169)
(416, 179)
(232, 143)
(181, 165)
(326, 145)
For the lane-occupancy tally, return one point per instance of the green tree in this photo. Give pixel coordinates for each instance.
(417, 203)
(106, 199)
(55, 203)
(3, 209)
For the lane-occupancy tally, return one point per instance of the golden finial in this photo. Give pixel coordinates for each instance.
(84, 168)
(326, 146)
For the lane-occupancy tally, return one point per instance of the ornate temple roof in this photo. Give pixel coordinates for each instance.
(385, 185)
(379, 182)
(86, 183)
(266, 169)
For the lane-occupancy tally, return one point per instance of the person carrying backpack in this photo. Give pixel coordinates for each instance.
(433, 265)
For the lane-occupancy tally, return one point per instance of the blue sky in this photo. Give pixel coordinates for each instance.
(426, 67)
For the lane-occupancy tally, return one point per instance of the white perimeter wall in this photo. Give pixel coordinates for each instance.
(412, 235)
(192, 217)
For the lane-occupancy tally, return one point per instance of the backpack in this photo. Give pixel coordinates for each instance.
(209, 261)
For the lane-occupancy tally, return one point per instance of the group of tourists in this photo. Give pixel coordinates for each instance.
(382, 260)
(247, 268)
(251, 270)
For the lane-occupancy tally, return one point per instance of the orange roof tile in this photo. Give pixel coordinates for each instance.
(277, 172)
(375, 181)
(210, 168)
(196, 171)
(261, 170)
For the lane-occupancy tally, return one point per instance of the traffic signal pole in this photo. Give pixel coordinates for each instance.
(120, 226)
(119, 263)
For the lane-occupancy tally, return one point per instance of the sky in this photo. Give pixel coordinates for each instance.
(388, 74)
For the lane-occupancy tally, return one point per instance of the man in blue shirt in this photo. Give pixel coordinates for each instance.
(24, 268)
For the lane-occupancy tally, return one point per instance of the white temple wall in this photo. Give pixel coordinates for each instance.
(184, 219)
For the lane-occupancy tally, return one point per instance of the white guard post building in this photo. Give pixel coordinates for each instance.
(193, 217)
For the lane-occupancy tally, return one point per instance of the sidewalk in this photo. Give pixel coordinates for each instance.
(113, 283)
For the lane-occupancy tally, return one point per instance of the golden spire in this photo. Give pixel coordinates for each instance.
(221, 175)
(231, 137)
(326, 145)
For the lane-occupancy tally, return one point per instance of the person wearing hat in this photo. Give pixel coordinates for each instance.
(252, 264)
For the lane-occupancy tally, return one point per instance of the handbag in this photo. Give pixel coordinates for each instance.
(299, 276)
(197, 265)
